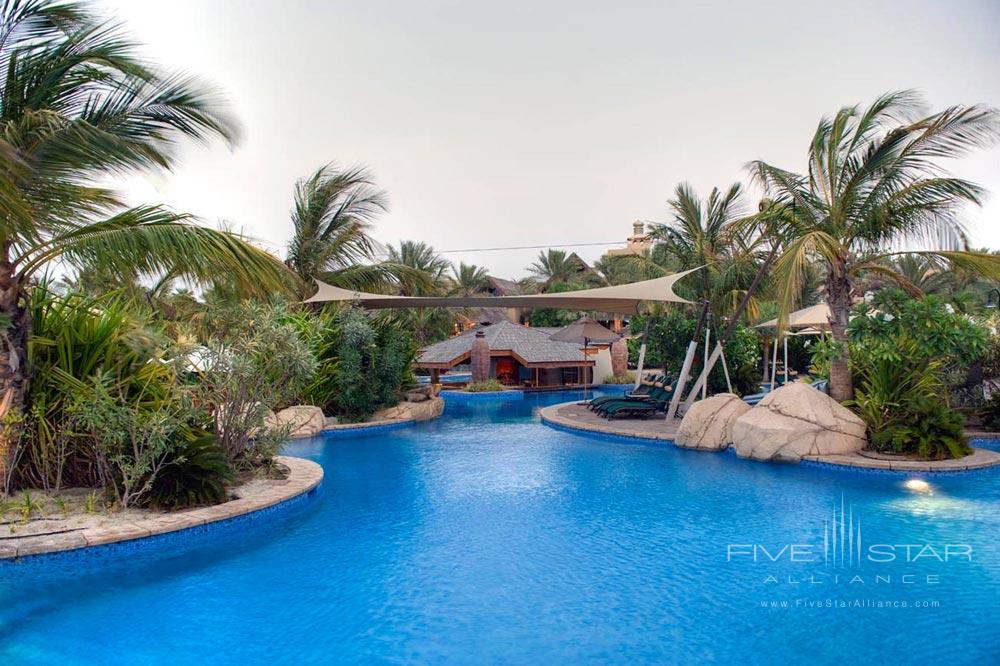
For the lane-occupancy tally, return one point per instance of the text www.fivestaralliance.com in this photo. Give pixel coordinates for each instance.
(857, 602)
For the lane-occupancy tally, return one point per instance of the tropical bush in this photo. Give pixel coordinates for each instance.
(904, 353)
(372, 366)
(624, 378)
(196, 473)
(669, 334)
(257, 365)
(107, 408)
(936, 329)
(485, 387)
(902, 400)
(989, 412)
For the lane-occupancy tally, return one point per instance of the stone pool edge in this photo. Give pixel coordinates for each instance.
(979, 459)
(303, 477)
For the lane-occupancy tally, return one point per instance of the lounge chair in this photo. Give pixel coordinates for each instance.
(649, 390)
(645, 388)
(641, 407)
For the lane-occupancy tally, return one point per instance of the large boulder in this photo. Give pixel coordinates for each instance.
(418, 411)
(708, 425)
(304, 420)
(795, 421)
(426, 410)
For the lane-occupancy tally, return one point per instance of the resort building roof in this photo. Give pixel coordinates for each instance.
(531, 347)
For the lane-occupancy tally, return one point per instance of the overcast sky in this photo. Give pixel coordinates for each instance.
(542, 123)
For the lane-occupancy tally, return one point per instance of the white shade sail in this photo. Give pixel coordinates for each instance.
(622, 299)
(816, 316)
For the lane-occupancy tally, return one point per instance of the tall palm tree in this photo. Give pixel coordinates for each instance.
(332, 214)
(468, 280)
(708, 233)
(77, 107)
(423, 260)
(873, 185)
(554, 266)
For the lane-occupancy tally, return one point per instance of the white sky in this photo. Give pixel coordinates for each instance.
(542, 123)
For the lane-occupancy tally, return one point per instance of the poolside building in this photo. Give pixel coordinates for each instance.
(518, 356)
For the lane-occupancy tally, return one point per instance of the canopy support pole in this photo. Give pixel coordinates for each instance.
(725, 371)
(786, 358)
(686, 368)
(642, 354)
(733, 322)
(708, 337)
(774, 362)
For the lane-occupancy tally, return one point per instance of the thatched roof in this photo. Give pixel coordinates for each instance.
(501, 287)
(531, 347)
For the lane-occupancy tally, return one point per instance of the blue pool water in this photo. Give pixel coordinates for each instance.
(487, 537)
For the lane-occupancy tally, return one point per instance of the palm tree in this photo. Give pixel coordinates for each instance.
(422, 260)
(553, 266)
(332, 214)
(704, 233)
(77, 107)
(468, 280)
(872, 186)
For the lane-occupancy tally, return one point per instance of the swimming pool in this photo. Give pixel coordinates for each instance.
(486, 536)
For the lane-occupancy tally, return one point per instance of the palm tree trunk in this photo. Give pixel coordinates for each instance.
(838, 295)
(13, 356)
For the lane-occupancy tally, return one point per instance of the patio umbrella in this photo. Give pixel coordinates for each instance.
(584, 331)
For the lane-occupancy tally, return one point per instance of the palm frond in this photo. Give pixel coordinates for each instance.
(153, 241)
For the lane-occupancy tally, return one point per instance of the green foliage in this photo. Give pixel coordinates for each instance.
(989, 413)
(625, 378)
(550, 318)
(901, 398)
(935, 328)
(372, 366)
(76, 342)
(823, 350)
(257, 365)
(671, 331)
(195, 474)
(991, 355)
(133, 440)
(108, 407)
(487, 386)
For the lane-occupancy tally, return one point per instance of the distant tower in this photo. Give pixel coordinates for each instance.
(639, 243)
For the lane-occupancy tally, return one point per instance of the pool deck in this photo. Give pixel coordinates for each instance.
(574, 416)
(303, 476)
(577, 417)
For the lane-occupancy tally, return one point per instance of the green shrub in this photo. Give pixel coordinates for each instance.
(373, 359)
(671, 331)
(989, 413)
(901, 399)
(933, 431)
(626, 378)
(257, 365)
(87, 356)
(132, 440)
(195, 474)
(485, 387)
